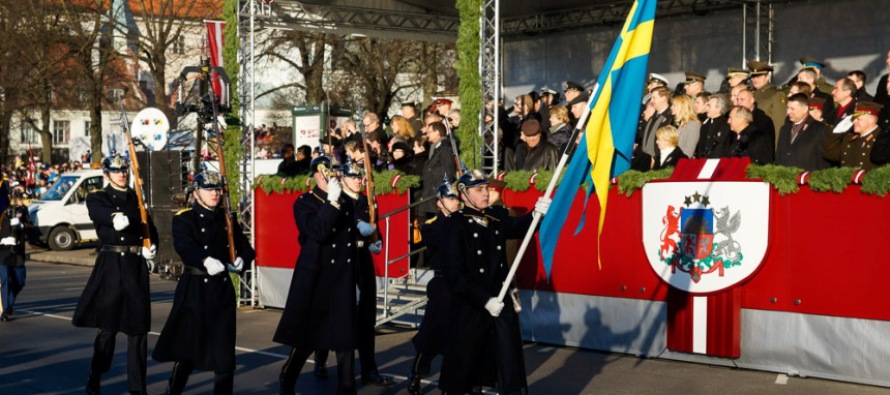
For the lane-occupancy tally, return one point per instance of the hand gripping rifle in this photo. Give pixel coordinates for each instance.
(227, 202)
(137, 180)
(369, 186)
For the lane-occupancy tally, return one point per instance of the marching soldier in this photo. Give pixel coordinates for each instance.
(368, 242)
(486, 346)
(320, 312)
(432, 337)
(116, 297)
(200, 331)
(769, 99)
(15, 227)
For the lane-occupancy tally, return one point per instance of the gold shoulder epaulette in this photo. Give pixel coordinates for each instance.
(183, 210)
(316, 196)
(431, 220)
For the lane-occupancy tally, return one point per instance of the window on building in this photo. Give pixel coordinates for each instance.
(86, 128)
(28, 135)
(61, 132)
(179, 45)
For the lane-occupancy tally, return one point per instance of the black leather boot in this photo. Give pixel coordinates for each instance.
(286, 382)
(414, 383)
(93, 387)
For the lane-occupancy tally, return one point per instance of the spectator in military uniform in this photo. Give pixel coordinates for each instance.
(486, 346)
(116, 296)
(432, 338)
(761, 121)
(200, 331)
(802, 140)
(770, 100)
(668, 154)
(572, 90)
(747, 140)
(15, 230)
(534, 152)
(715, 132)
(844, 99)
(808, 76)
(859, 79)
(320, 312)
(695, 83)
(854, 149)
(654, 81)
(820, 83)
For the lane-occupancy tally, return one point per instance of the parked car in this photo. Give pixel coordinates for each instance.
(60, 216)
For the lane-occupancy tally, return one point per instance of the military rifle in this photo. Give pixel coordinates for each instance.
(369, 186)
(137, 179)
(226, 201)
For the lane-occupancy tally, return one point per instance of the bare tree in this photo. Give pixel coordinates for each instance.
(309, 62)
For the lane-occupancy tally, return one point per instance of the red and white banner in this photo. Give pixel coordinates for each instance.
(215, 41)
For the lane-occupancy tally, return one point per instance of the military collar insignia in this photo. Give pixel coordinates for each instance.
(479, 220)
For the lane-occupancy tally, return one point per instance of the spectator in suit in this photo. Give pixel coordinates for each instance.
(859, 79)
(762, 121)
(747, 139)
(715, 132)
(844, 98)
(801, 140)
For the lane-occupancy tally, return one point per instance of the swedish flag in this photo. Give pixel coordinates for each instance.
(606, 148)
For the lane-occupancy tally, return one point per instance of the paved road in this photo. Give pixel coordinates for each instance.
(41, 353)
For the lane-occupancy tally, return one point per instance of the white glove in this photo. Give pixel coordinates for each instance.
(365, 228)
(334, 189)
(14, 222)
(494, 307)
(517, 304)
(149, 252)
(214, 266)
(844, 125)
(237, 266)
(542, 205)
(7, 241)
(376, 247)
(120, 221)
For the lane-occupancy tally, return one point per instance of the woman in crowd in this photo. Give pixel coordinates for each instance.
(687, 123)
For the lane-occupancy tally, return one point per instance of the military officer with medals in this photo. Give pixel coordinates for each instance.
(853, 149)
(434, 332)
(769, 99)
(320, 312)
(486, 346)
(116, 296)
(200, 331)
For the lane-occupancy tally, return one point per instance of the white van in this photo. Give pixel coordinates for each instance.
(60, 215)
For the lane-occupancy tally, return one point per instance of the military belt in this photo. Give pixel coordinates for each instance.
(121, 249)
(193, 270)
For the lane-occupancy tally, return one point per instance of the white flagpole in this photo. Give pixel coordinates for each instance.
(536, 217)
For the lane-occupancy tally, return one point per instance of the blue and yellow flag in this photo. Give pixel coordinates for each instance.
(606, 148)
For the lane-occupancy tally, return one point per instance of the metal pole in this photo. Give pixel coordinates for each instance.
(497, 82)
(757, 31)
(744, 34)
(250, 129)
(386, 272)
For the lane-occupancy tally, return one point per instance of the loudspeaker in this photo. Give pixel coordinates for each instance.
(163, 220)
(164, 177)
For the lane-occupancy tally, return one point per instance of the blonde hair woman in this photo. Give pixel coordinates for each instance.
(687, 123)
(667, 154)
(401, 131)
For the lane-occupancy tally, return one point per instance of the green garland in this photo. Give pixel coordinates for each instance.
(877, 181)
(834, 179)
(382, 183)
(470, 85)
(632, 180)
(232, 152)
(230, 49)
(783, 178)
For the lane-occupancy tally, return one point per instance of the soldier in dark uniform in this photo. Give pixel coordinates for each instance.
(200, 331)
(486, 346)
(116, 297)
(369, 242)
(432, 337)
(853, 149)
(769, 99)
(320, 312)
(15, 228)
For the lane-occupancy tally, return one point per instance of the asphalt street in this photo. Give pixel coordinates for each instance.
(42, 353)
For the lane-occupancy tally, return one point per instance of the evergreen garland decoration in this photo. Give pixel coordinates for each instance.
(233, 153)
(230, 51)
(833, 179)
(632, 180)
(470, 85)
(518, 180)
(877, 181)
(274, 184)
(543, 179)
(783, 178)
(383, 182)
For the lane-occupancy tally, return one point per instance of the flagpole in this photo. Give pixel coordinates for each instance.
(536, 216)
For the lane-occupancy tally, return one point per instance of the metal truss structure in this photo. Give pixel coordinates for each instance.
(490, 73)
(758, 19)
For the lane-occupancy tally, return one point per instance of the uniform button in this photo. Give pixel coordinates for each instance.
(481, 270)
(470, 221)
(202, 229)
(333, 246)
(122, 254)
(205, 247)
(335, 229)
(349, 244)
(499, 248)
(348, 260)
(117, 208)
(502, 265)
(475, 235)
(479, 252)
(333, 260)
(202, 216)
(497, 232)
(122, 239)
(205, 280)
